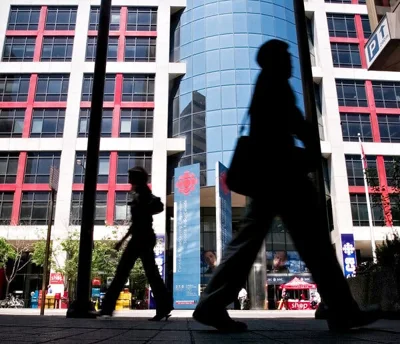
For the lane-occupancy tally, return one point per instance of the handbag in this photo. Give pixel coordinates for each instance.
(240, 171)
(240, 175)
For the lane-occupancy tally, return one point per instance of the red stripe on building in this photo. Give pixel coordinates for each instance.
(372, 110)
(16, 208)
(361, 39)
(59, 33)
(29, 105)
(343, 39)
(99, 187)
(122, 40)
(112, 180)
(117, 105)
(40, 31)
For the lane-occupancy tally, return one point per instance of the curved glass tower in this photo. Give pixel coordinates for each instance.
(218, 41)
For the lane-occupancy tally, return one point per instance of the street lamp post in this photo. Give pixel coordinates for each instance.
(309, 100)
(82, 307)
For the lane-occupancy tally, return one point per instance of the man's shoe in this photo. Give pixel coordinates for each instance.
(222, 322)
(353, 319)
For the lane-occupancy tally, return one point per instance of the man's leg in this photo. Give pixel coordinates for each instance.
(302, 217)
(231, 274)
(125, 266)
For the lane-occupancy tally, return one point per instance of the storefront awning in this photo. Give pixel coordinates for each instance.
(297, 283)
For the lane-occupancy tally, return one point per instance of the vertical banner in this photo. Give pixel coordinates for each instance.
(187, 237)
(223, 203)
(349, 255)
(159, 254)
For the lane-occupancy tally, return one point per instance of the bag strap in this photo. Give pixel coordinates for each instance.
(243, 124)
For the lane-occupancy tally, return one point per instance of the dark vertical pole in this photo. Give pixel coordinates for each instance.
(82, 306)
(309, 97)
(46, 265)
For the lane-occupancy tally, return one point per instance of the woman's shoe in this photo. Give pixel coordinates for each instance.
(159, 317)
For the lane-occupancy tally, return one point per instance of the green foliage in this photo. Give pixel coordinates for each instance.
(7, 252)
(39, 253)
(138, 280)
(104, 260)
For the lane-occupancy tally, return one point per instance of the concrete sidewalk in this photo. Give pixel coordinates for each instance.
(133, 327)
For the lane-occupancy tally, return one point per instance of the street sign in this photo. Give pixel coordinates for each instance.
(377, 42)
(54, 175)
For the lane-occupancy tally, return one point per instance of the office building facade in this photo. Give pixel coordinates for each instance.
(179, 80)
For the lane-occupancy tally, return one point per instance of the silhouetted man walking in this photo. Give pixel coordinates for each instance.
(284, 190)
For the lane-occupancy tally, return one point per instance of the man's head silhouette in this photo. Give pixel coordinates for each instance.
(273, 56)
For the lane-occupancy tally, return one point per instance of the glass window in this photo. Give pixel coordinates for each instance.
(140, 49)
(354, 124)
(106, 124)
(387, 94)
(14, 88)
(23, 18)
(395, 208)
(61, 18)
(392, 167)
(11, 122)
(129, 160)
(6, 204)
(389, 128)
(37, 170)
(136, 123)
(346, 55)
(95, 16)
(366, 26)
(80, 166)
(355, 173)
(359, 210)
(122, 210)
(138, 88)
(112, 52)
(76, 208)
(34, 208)
(48, 123)
(57, 48)
(351, 93)
(52, 88)
(341, 25)
(8, 167)
(142, 19)
(19, 49)
(87, 88)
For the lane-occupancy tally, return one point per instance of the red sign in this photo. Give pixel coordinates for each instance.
(56, 278)
(187, 183)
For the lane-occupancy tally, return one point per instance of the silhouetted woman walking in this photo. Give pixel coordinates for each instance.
(143, 206)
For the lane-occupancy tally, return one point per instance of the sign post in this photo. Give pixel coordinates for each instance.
(378, 40)
(349, 255)
(53, 183)
(223, 203)
(187, 237)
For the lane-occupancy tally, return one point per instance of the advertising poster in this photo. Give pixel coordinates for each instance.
(187, 237)
(349, 255)
(283, 265)
(223, 202)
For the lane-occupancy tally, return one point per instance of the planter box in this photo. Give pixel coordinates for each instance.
(378, 287)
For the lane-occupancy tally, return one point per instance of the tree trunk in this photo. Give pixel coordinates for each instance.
(7, 287)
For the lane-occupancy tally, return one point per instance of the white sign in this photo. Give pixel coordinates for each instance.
(378, 40)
